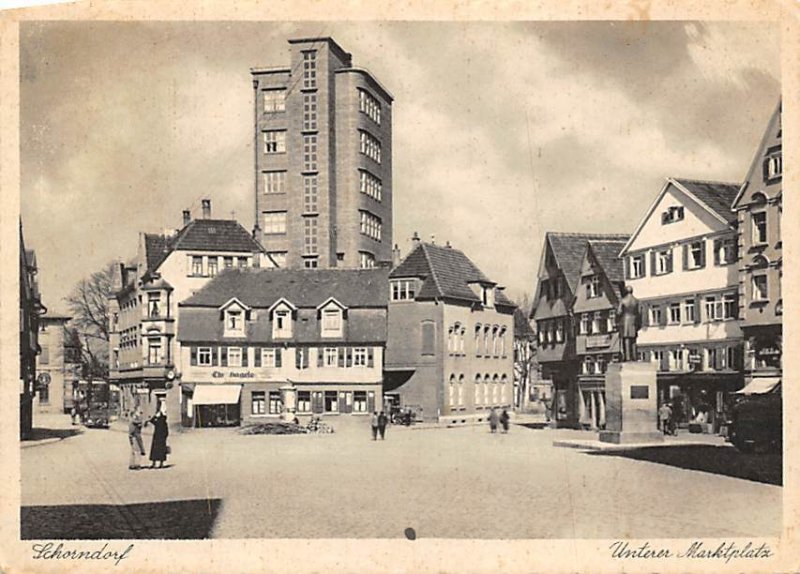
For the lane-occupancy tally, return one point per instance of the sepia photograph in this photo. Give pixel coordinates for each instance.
(477, 280)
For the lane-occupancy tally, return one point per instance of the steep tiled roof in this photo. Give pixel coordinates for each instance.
(447, 273)
(569, 248)
(302, 287)
(717, 196)
(606, 252)
(224, 235)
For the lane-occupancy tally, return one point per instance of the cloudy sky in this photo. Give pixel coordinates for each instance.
(501, 131)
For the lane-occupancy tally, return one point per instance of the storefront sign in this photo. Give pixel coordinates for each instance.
(593, 341)
(234, 375)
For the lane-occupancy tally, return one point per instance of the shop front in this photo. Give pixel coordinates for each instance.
(699, 398)
(214, 405)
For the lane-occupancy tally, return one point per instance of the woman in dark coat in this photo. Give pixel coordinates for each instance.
(158, 448)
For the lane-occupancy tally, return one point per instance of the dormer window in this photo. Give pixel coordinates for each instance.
(487, 296)
(331, 318)
(234, 322)
(234, 317)
(403, 289)
(282, 320)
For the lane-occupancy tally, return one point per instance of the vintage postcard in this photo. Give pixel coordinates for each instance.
(461, 288)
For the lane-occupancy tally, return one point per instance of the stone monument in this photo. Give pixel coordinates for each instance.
(631, 392)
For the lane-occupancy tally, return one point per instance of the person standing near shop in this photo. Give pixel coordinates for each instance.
(382, 421)
(375, 425)
(493, 421)
(158, 448)
(135, 438)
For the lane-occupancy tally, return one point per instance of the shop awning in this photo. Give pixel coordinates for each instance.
(216, 394)
(760, 386)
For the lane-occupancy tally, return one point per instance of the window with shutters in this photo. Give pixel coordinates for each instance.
(713, 307)
(271, 357)
(663, 262)
(234, 356)
(360, 357)
(282, 323)
(331, 357)
(696, 253)
(584, 324)
(688, 311)
(204, 356)
(637, 266)
(655, 315)
(332, 322)
(428, 332)
(725, 251)
(674, 316)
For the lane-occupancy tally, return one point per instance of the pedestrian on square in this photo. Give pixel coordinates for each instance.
(665, 414)
(158, 448)
(135, 438)
(375, 425)
(504, 420)
(382, 421)
(493, 420)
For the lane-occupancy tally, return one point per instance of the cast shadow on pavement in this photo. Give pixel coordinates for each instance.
(174, 520)
(44, 434)
(724, 460)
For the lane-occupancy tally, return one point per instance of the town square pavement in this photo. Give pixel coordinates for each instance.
(444, 483)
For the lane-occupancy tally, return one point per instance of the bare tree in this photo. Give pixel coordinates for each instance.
(88, 303)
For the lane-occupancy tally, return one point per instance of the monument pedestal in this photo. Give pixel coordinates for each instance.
(289, 398)
(631, 404)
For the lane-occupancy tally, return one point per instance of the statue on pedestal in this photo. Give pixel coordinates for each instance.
(629, 317)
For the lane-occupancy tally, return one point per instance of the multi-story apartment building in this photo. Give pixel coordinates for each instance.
(30, 307)
(258, 344)
(450, 347)
(56, 366)
(597, 342)
(558, 279)
(759, 206)
(143, 311)
(323, 160)
(682, 264)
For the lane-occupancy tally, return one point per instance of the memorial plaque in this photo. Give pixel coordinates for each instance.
(640, 392)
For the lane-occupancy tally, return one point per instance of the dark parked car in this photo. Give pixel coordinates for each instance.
(757, 417)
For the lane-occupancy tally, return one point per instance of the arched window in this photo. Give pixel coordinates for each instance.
(495, 389)
(486, 380)
(478, 340)
(452, 390)
(461, 390)
(503, 342)
(495, 342)
(504, 389)
(477, 389)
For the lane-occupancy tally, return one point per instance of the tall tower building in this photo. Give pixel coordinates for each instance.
(323, 160)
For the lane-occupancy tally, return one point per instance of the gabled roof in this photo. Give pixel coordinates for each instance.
(446, 273)
(305, 288)
(334, 301)
(231, 301)
(223, 235)
(606, 253)
(569, 249)
(771, 132)
(713, 196)
(717, 196)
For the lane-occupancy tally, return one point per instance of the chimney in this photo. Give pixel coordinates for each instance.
(395, 256)
(448, 244)
(187, 217)
(414, 240)
(206, 209)
(433, 239)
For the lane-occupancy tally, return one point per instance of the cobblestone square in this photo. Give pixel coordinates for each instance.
(444, 483)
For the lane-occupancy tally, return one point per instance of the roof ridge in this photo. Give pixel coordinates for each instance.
(583, 235)
(711, 181)
(430, 267)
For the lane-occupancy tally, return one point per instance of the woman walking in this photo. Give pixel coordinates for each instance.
(158, 448)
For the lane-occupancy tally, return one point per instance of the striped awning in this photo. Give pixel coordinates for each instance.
(760, 386)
